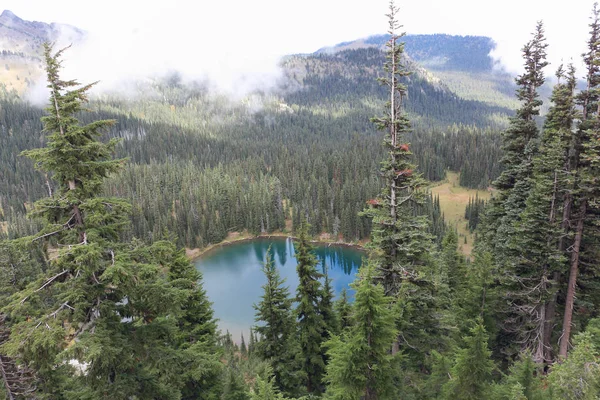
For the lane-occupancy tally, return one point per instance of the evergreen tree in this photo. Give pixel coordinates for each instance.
(519, 147)
(330, 317)
(101, 304)
(578, 377)
(523, 380)
(265, 388)
(533, 275)
(196, 328)
(361, 366)
(277, 344)
(585, 168)
(343, 309)
(234, 387)
(452, 261)
(472, 372)
(440, 372)
(400, 239)
(310, 325)
(401, 245)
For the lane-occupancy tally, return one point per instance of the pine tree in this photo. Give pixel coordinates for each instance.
(452, 261)
(234, 387)
(196, 336)
(400, 239)
(472, 372)
(533, 275)
(523, 378)
(586, 168)
(102, 303)
(277, 344)
(401, 245)
(310, 323)
(578, 377)
(361, 366)
(265, 387)
(343, 308)
(519, 146)
(326, 306)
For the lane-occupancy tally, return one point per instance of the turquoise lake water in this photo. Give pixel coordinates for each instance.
(233, 277)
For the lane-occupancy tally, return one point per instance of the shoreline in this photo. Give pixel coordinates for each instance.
(197, 253)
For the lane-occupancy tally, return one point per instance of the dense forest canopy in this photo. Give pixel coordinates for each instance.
(99, 196)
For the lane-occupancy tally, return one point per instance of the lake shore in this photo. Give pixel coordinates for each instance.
(236, 237)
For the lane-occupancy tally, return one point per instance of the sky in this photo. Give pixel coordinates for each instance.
(237, 43)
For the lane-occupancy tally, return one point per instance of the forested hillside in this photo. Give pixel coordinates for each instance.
(202, 165)
(97, 298)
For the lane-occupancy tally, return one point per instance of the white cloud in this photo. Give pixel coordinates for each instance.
(238, 43)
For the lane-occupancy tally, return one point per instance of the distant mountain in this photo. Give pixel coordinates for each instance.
(21, 48)
(26, 37)
(461, 63)
(435, 52)
(346, 79)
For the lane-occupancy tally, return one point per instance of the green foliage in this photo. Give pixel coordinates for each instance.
(21, 262)
(310, 324)
(472, 371)
(265, 388)
(130, 316)
(522, 382)
(452, 261)
(360, 364)
(578, 377)
(330, 317)
(440, 373)
(343, 310)
(519, 145)
(276, 328)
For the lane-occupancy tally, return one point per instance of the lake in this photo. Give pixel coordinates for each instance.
(233, 278)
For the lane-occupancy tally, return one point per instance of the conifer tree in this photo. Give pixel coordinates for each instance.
(343, 309)
(472, 372)
(523, 378)
(585, 168)
(401, 245)
(578, 377)
(310, 322)
(533, 274)
(452, 261)
(400, 239)
(196, 335)
(360, 364)
(102, 304)
(265, 387)
(519, 147)
(326, 306)
(276, 328)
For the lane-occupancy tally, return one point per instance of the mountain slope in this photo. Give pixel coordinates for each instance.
(462, 63)
(21, 48)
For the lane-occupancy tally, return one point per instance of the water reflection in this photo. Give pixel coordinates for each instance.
(233, 276)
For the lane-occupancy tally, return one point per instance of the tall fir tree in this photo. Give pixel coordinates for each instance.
(361, 365)
(519, 146)
(327, 307)
(585, 171)
(399, 238)
(310, 323)
(342, 309)
(472, 371)
(101, 304)
(401, 245)
(276, 328)
(533, 275)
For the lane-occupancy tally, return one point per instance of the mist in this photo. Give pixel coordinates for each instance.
(237, 45)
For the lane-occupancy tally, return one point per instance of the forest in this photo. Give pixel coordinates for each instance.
(99, 197)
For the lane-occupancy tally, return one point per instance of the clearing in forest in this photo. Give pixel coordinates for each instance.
(453, 202)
